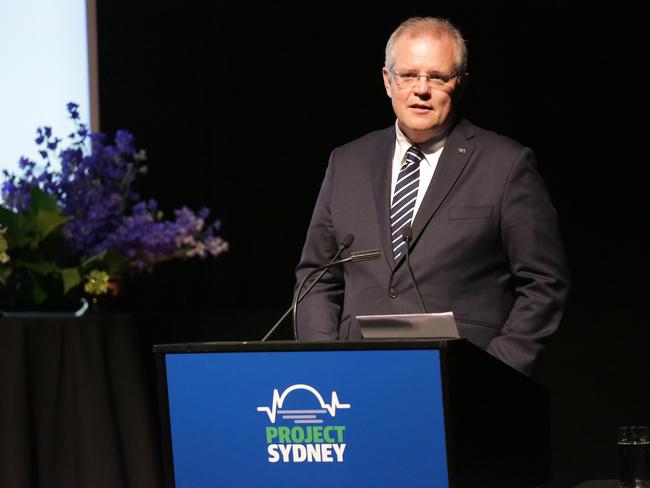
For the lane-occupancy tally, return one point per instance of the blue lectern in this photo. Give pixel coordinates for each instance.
(349, 414)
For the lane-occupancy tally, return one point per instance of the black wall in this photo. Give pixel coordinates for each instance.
(239, 106)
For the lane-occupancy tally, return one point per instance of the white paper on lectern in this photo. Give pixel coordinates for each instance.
(410, 326)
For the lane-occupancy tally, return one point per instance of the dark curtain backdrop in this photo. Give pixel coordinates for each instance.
(239, 105)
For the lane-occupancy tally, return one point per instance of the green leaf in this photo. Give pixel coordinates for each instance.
(29, 228)
(5, 273)
(111, 261)
(39, 295)
(115, 262)
(43, 201)
(17, 232)
(7, 217)
(93, 261)
(47, 221)
(71, 278)
(42, 267)
(45, 213)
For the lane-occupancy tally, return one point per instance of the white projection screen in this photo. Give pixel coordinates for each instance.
(48, 57)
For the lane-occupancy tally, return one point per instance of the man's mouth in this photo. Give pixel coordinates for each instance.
(419, 106)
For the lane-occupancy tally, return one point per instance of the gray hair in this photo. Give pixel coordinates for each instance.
(435, 26)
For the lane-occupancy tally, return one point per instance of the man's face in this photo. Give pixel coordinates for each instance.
(422, 109)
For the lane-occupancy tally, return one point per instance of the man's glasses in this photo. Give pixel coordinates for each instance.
(408, 79)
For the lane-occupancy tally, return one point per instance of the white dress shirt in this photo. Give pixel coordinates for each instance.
(431, 149)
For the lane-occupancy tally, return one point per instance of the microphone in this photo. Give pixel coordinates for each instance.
(407, 235)
(346, 242)
(353, 257)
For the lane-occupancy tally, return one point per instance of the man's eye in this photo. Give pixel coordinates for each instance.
(436, 77)
(409, 76)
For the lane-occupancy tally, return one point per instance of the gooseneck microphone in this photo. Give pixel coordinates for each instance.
(407, 235)
(346, 242)
(353, 257)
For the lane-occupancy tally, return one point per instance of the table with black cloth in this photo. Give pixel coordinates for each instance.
(76, 408)
(586, 484)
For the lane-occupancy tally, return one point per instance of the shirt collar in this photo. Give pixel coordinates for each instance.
(402, 144)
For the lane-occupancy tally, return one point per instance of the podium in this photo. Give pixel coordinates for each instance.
(416, 413)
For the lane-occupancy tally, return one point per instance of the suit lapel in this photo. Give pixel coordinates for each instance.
(454, 158)
(381, 167)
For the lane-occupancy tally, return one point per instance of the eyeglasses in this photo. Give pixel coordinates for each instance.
(408, 79)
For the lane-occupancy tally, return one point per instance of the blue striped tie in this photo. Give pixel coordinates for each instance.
(406, 192)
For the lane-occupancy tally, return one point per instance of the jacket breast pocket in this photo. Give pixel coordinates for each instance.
(470, 213)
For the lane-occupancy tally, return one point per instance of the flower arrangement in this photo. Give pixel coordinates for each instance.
(73, 225)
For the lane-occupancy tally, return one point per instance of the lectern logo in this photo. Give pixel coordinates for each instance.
(309, 437)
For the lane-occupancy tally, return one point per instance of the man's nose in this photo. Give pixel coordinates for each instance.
(422, 86)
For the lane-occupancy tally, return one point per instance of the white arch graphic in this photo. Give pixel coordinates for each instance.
(278, 401)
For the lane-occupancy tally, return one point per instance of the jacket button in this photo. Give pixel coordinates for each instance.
(392, 293)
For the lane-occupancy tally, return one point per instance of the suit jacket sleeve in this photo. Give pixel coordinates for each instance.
(532, 241)
(320, 311)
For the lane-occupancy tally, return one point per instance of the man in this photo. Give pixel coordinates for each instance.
(485, 239)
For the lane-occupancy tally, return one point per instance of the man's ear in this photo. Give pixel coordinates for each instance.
(461, 86)
(386, 76)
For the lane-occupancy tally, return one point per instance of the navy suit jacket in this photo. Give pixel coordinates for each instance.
(486, 245)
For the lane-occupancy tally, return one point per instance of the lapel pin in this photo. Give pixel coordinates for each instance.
(462, 150)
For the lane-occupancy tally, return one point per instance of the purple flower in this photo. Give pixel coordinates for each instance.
(8, 187)
(52, 145)
(73, 110)
(124, 142)
(93, 187)
(23, 163)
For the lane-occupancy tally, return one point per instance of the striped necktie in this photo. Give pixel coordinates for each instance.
(406, 192)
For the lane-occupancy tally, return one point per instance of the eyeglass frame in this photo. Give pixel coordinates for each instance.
(431, 82)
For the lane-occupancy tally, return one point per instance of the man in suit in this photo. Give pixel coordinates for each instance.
(485, 239)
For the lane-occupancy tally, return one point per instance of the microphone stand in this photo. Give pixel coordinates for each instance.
(355, 256)
(407, 235)
(345, 243)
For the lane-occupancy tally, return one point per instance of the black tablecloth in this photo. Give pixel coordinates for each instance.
(599, 484)
(75, 405)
